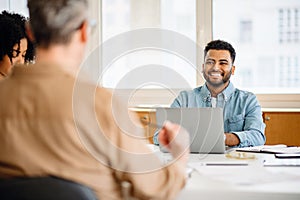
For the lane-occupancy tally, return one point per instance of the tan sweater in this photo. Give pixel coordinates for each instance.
(54, 124)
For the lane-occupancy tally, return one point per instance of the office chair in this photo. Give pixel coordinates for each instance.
(45, 188)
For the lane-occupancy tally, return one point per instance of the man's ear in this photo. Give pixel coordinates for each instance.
(84, 31)
(232, 69)
(202, 68)
(29, 32)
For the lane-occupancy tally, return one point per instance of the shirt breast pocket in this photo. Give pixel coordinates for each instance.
(236, 123)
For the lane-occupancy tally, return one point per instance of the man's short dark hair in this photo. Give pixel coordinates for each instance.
(220, 45)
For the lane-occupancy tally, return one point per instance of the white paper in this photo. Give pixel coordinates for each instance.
(237, 175)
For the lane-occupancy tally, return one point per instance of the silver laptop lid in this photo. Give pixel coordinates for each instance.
(205, 126)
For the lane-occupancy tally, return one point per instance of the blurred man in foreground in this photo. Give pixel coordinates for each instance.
(53, 124)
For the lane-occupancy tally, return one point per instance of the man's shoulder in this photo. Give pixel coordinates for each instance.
(243, 92)
(244, 95)
(104, 92)
(83, 88)
(190, 92)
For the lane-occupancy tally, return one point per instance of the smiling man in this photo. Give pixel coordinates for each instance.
(243, 124)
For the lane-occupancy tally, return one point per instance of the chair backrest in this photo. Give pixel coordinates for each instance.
(46, 188)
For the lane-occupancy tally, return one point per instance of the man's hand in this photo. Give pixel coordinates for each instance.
(231, 139)
(176, 139)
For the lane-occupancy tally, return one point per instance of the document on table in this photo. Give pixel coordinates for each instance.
(270, 149)
(238, 175)
(288, 162)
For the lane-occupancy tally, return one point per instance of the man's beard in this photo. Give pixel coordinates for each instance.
(224, 80)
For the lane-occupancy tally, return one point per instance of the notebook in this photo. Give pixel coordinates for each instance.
(205, 126)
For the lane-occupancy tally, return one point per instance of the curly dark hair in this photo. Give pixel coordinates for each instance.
(220, 45)
(12, 30)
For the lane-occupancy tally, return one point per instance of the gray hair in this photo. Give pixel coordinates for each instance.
(54, 21)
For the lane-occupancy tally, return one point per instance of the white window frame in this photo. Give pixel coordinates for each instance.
(158, 97)
(267, 101)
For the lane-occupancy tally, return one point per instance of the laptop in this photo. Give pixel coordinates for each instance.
(205, 126)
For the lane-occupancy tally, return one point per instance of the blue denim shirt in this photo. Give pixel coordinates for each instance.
(241, 112)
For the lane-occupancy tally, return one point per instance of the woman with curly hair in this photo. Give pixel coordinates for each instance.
(15, 46)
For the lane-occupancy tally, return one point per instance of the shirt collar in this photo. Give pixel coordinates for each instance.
(227, 92)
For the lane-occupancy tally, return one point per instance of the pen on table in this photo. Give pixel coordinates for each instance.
(226, 164)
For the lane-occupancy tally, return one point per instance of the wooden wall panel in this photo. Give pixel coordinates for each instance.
(282, 128)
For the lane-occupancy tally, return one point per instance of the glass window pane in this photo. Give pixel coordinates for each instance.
(18, 6)
(266, 36)
(121, 16)
(4, 5)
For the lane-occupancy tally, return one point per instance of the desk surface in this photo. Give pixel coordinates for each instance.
(253, 181)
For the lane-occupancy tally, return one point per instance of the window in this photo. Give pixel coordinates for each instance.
(288, 25)
(245, 31)
(265, 35)
(155, 63)
(19, 6)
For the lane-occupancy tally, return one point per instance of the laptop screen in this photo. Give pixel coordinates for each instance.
(205, 126)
